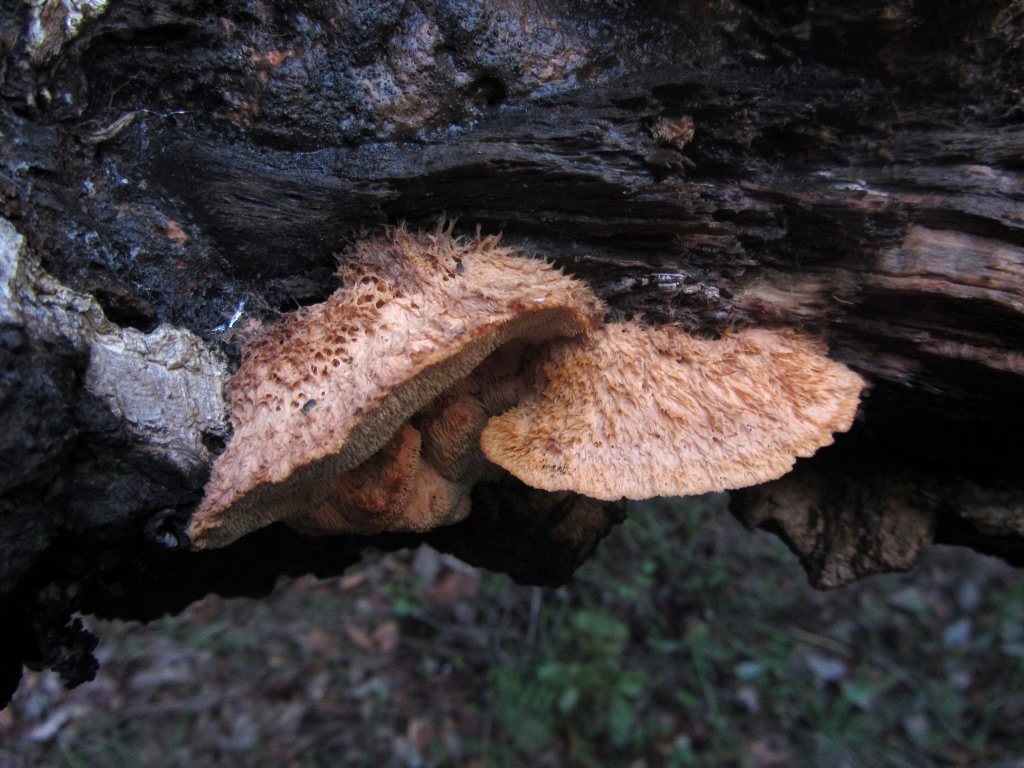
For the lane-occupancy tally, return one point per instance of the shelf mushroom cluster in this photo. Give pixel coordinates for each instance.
(440, 361)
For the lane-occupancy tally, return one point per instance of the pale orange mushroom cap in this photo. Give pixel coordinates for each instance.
(637, 411)
(326, 388)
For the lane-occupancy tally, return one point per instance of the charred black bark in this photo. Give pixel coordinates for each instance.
(853, 170)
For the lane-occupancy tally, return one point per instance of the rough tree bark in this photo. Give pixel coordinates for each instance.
(853, 169)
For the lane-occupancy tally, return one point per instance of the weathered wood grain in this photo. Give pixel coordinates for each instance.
(851, 169)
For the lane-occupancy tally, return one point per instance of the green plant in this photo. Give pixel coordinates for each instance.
(580, 687)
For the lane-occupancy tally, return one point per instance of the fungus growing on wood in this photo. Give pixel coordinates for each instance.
(637, 411)
(396, 489)
(365, 499)
(324, 390)
(451, 429)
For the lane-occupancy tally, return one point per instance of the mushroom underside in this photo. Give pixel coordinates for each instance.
(326, 389)
(505, 377)
(329, 495)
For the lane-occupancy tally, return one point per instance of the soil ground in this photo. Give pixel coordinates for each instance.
(685, 641)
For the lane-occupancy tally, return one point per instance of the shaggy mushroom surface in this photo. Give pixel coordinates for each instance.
(638, 411)
(322, 391)
(438, 359)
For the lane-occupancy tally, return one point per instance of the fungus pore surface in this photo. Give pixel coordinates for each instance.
(639, 411)
(365, 499)
(326, 388)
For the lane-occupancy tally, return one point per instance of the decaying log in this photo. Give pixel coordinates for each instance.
(171, 173)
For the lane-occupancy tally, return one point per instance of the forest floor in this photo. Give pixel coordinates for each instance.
(686, 641)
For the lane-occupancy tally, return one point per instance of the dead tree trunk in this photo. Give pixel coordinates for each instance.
(853, 170)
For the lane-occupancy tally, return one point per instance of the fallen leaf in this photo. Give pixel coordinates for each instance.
(386, 636)
(453, 586)
(359, 637)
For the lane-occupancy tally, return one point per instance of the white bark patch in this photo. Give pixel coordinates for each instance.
(54, 22)
(166, 385)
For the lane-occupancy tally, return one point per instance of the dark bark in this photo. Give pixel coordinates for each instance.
(854, 171)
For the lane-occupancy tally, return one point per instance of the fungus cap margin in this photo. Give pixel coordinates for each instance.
(638, 411)
(327, 387)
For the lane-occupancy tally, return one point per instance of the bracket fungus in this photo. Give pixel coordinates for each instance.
(638, 411)
(442, 362)
(322, 391)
